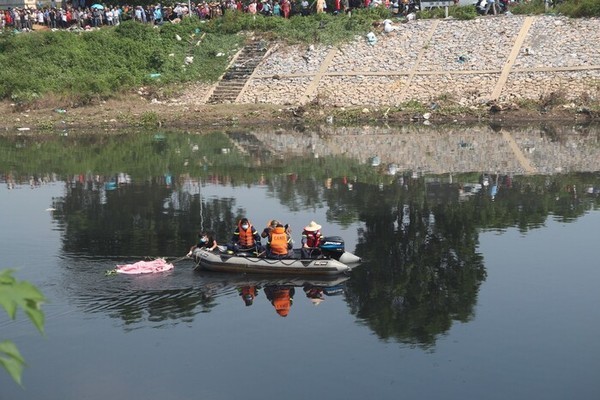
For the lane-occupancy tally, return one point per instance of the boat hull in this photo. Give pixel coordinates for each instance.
(221, 262)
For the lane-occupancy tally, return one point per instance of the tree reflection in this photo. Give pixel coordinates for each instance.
(137, 220)
(423, 268)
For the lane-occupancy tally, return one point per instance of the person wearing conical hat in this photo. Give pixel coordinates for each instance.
(311, 239)
(314, 293)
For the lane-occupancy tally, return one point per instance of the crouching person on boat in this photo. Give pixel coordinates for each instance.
(272, 224)
(279, 243)
(245, 238)
(311, 239)
(205, 241)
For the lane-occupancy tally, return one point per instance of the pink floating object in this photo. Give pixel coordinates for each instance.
(145, 267)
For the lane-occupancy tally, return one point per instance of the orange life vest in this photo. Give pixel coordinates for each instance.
(282, 302)
(246, 238)
(278, 241)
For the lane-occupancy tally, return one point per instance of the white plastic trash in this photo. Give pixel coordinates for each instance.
(371, 38)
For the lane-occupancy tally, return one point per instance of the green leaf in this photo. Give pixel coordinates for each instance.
(11, 360)
(37, 317)
(6, 276)
(15, 294)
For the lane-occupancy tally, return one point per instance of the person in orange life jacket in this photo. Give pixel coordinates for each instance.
(272, 224)
(205, 241)
(279, 243)
(281, 297)
(248, 293)
(311, 239)
(245, 237)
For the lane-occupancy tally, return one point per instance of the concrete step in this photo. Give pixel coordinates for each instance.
(235, 78)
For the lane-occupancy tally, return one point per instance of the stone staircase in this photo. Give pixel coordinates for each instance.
(234, 79)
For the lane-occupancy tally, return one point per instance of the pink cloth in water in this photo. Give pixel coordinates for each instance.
(145, 267)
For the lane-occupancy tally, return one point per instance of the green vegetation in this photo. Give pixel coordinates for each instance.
(14, 295)
(321, 28)
(570, 8)
(83, 66)
(579, 8)
(534, 7)
(97, 64)
(458, 12)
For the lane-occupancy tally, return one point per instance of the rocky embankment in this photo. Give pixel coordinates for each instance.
(507, 58)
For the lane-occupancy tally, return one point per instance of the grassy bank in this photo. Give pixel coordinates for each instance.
(100, 63)
(569, 8)
(82, 66)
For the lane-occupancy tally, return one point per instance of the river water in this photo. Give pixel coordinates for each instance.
(480, 277)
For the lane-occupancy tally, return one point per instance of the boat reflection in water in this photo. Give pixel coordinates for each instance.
(279, 291)
(168, 298)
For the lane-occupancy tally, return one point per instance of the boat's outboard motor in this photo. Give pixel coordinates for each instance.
(332, 246)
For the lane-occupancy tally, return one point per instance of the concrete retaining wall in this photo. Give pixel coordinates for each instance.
(502, 58)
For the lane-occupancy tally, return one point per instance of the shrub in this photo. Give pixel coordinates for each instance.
(463, 12)
(431, 13)
(458, 12)
(135, 31)
(531, 7)
(579, 8)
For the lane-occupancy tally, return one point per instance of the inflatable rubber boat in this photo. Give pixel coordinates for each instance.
(334, 260)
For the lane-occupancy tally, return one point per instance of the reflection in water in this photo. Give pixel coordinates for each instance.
(248, 294)
(424, 269)
(168, 299)
(419, 231)
(281, 297)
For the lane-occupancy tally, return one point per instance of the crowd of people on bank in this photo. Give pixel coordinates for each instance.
(82, 14)
(279, 242)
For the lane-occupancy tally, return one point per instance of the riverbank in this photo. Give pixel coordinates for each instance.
(132, 110)
(491, 69)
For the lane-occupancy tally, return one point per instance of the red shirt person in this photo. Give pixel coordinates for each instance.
(311, 239)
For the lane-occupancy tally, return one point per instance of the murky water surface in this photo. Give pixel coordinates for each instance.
(480, 277)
